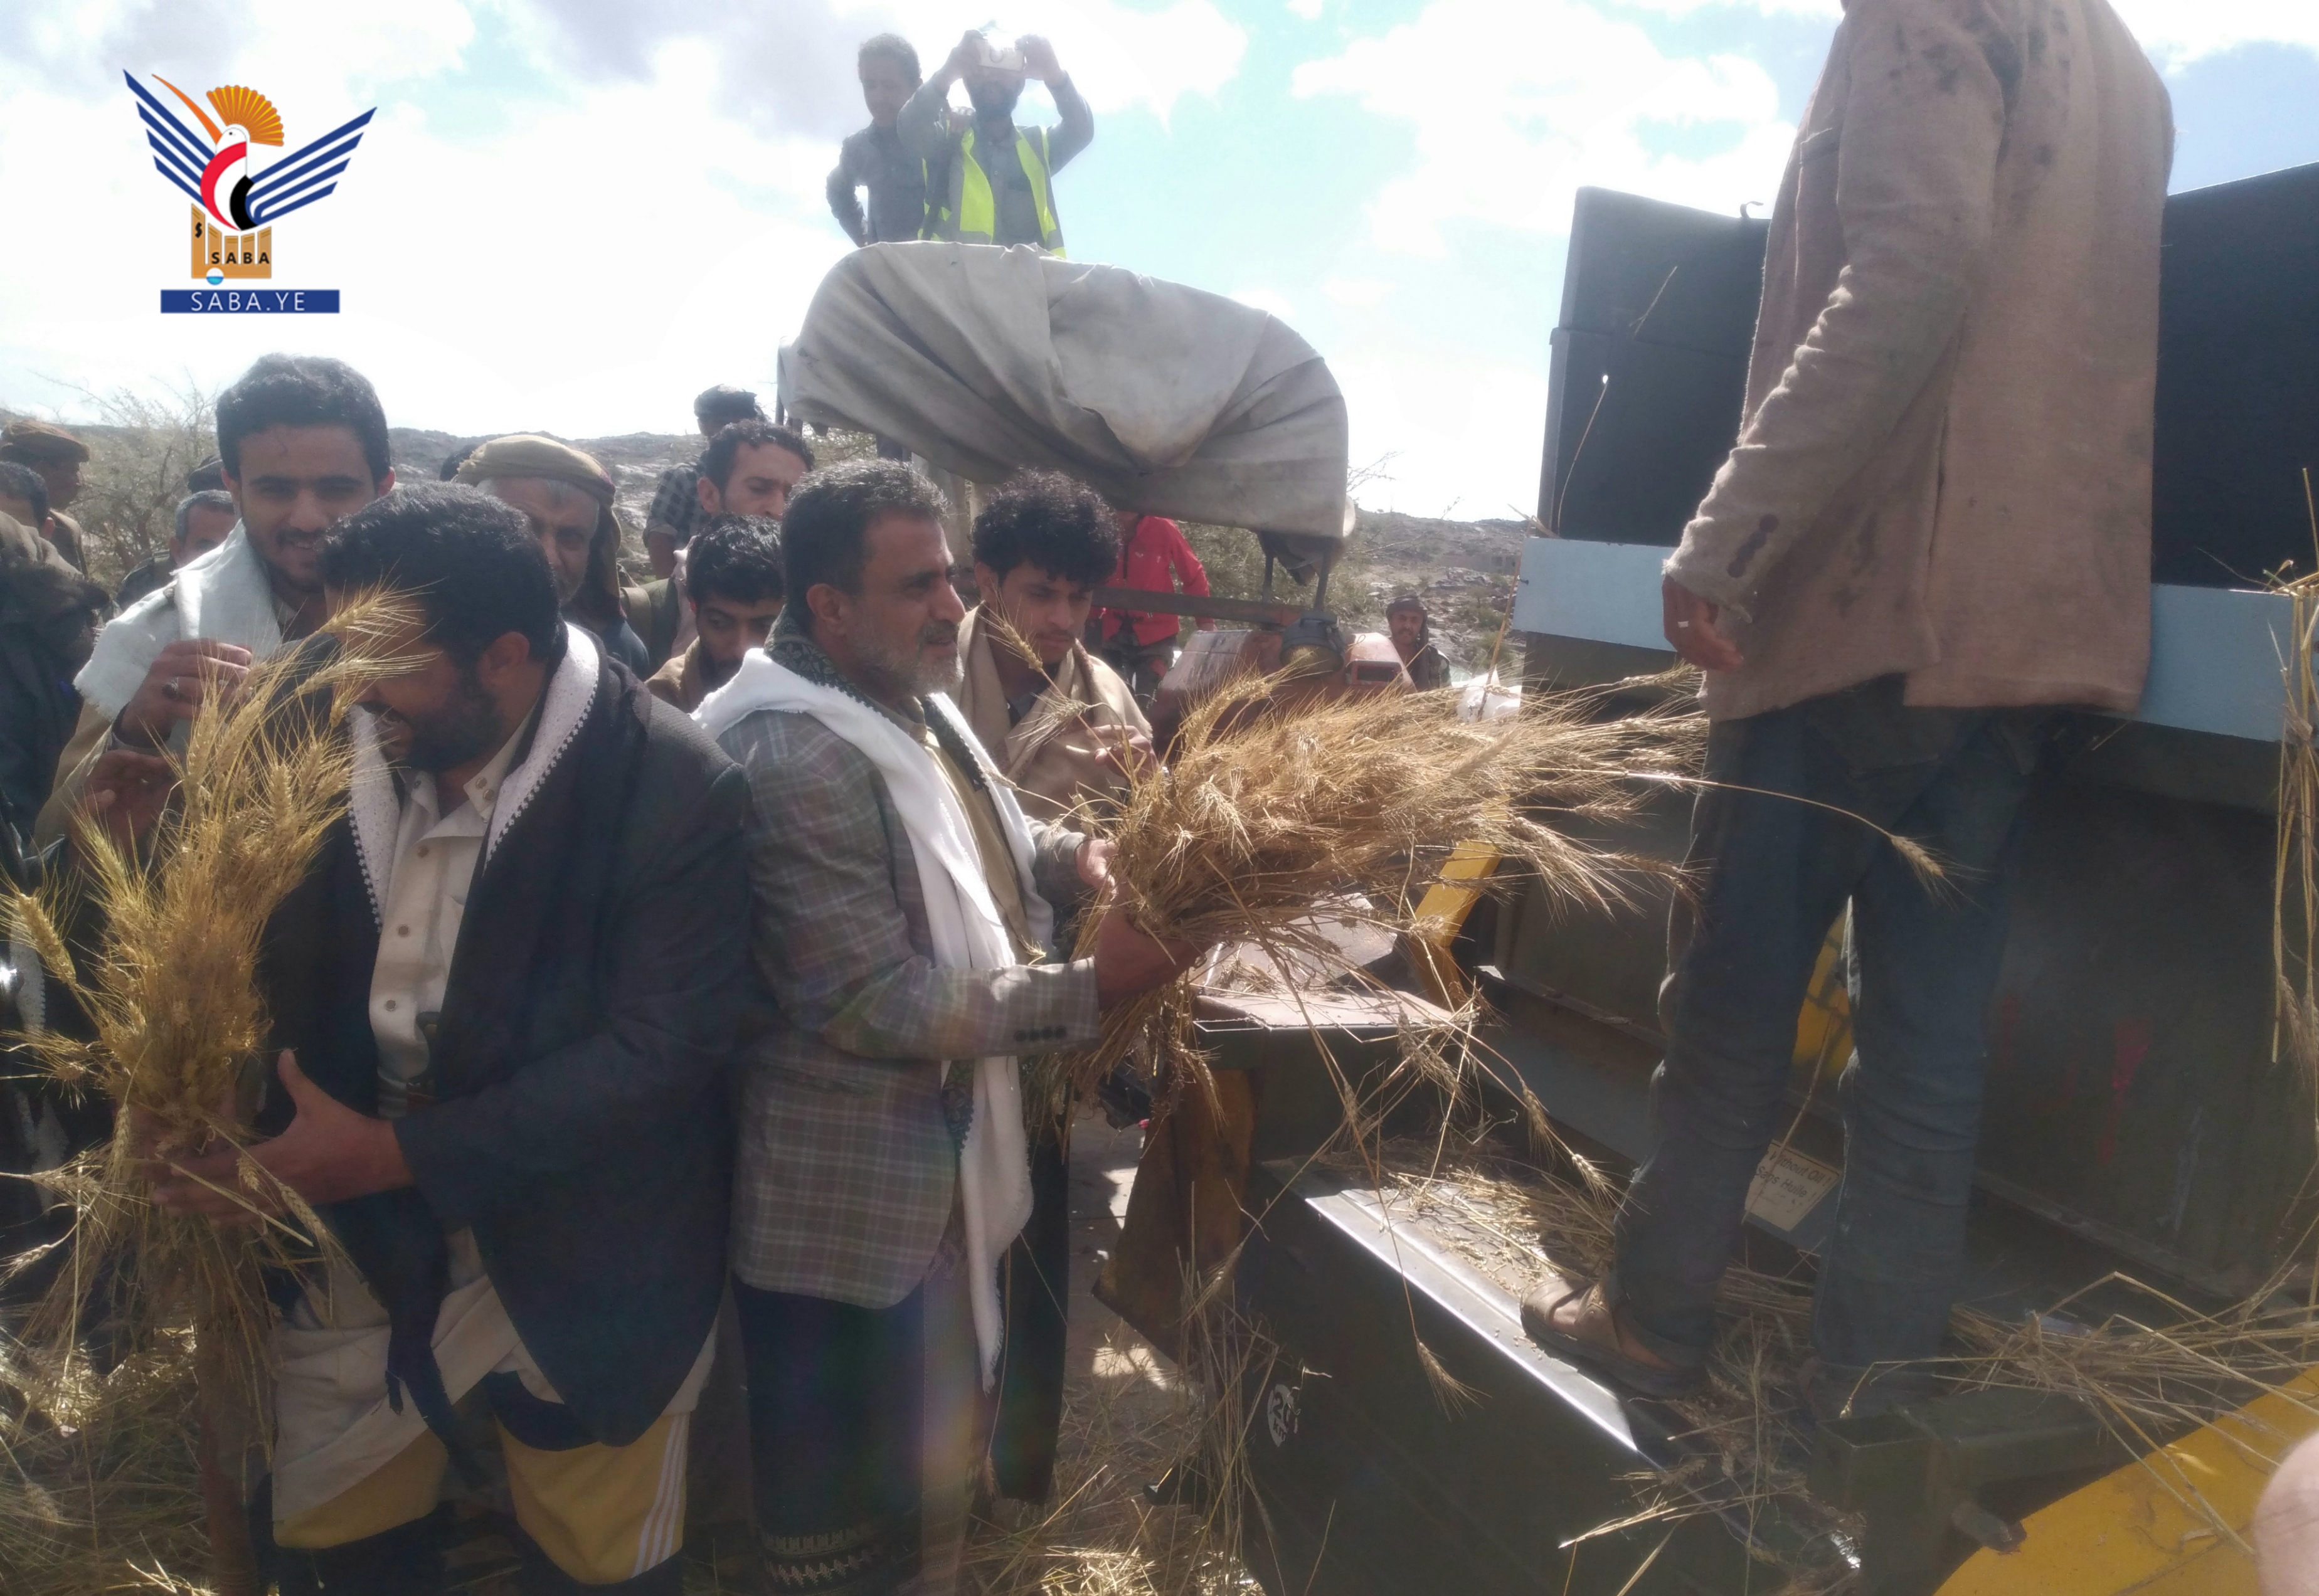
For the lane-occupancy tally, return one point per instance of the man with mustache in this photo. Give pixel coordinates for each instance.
(206, 517)
(994, 182)
(902, 915)
(303, 443)
(565, 495)
(501, 1004)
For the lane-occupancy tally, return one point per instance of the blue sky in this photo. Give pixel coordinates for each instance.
(572, 214)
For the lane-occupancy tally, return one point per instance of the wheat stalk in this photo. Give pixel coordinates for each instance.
(168, 981)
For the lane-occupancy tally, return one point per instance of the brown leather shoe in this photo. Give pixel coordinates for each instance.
(1580, 1324)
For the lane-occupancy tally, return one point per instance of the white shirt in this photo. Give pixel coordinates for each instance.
(434, 857)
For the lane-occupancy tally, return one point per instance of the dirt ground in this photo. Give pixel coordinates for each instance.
(1126, 1420)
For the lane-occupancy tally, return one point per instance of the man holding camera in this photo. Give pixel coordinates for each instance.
(994, 182)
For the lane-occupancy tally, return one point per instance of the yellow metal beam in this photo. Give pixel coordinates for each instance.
(1441, 913)
(2171, 1524)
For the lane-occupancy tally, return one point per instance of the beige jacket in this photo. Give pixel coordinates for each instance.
(1945, 465)
(682, 680)
(1052, 760)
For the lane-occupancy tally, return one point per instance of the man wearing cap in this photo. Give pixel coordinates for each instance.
(303, 443)
(58, 455)
(566, 496)
(1412, 640)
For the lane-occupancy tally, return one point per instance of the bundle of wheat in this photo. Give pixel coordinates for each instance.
(104, 1492)
(167, 981)
(1268, 808)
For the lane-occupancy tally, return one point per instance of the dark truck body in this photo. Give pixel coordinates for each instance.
(2138, 1117)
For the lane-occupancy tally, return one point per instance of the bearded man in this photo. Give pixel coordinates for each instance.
(503, 999)
(302, 443)
(904, 908)
(58, 456)
(566, 499)
(993, 182)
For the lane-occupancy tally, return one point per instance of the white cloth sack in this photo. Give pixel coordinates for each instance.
(994, 1168)
(1164, 398)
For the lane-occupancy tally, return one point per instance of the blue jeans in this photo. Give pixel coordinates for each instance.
(1771, 876)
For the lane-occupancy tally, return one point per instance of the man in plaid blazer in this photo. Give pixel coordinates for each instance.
(850, 1231)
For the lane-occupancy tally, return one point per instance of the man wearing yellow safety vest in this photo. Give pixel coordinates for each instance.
(994, 183)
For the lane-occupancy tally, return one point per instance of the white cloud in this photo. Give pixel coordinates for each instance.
(2177, 32)
(580, 268)
(1356, 291)
(559, 218)
(790, 67)
(1310, 10)
(1270, 301)
(1458, 438)
(1830, 9)
(1565, 95)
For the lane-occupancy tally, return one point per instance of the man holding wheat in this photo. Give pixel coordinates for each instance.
(904, 906)
(1058, 722)
(1935, 527)
(503, 994)
(303, 442)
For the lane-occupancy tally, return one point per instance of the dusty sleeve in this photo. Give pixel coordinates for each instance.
(1055, 866)
(1916, 195)
(831, 936)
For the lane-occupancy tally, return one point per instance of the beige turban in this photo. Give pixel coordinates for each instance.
(525, 454)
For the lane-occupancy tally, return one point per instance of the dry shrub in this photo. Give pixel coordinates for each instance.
(141, 448)
(169, 989)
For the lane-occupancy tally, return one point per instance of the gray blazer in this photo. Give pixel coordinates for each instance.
(847, 1170)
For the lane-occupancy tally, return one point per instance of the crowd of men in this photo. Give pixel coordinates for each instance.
(685, 935)
(628, 987)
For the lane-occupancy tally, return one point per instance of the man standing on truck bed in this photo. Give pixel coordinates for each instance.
(991, 181)
(874, 159)
(1934, 531)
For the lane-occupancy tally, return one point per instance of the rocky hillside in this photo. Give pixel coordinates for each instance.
(1463, 571)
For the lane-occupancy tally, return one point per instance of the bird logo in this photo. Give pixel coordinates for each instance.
(221, 174)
